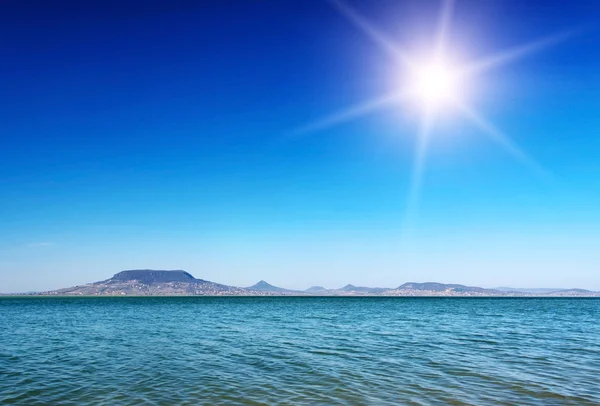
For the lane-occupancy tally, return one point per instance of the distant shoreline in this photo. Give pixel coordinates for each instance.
(43, 296)
(179, 283)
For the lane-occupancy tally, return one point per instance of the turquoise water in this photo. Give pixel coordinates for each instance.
(254, 351)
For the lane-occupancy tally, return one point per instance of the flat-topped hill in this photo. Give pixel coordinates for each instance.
(148, 282)
(149, 276)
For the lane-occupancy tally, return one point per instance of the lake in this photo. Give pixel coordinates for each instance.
(299, 350)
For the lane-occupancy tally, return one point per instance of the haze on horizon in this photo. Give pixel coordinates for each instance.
(165, 137)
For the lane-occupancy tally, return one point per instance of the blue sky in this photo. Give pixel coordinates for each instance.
(164, 136)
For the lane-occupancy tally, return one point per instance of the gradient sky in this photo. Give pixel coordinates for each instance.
(163, 137)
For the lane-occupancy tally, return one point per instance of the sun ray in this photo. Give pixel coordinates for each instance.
(416, 180)
(446, 11)
(375, 35)
(350, 113)
(503, 140)
(509, 55)
(436, 84)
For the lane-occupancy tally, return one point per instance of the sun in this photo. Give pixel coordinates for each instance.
(435, 83)
(438, 83)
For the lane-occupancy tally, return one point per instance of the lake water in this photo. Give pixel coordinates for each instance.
(294, 351)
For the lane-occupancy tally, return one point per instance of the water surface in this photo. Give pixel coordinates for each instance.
(284, 350)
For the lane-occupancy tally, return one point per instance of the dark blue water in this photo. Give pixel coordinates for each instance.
(255, 351)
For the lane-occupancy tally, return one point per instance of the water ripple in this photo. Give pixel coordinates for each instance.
(301, 351)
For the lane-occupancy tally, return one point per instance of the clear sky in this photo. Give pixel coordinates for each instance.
(166, 136)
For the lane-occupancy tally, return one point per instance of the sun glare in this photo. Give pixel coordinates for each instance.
(435, 83)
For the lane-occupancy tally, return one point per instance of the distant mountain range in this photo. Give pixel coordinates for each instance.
(148, 282)
(266, 287)
(542, 290)
(442, 287)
